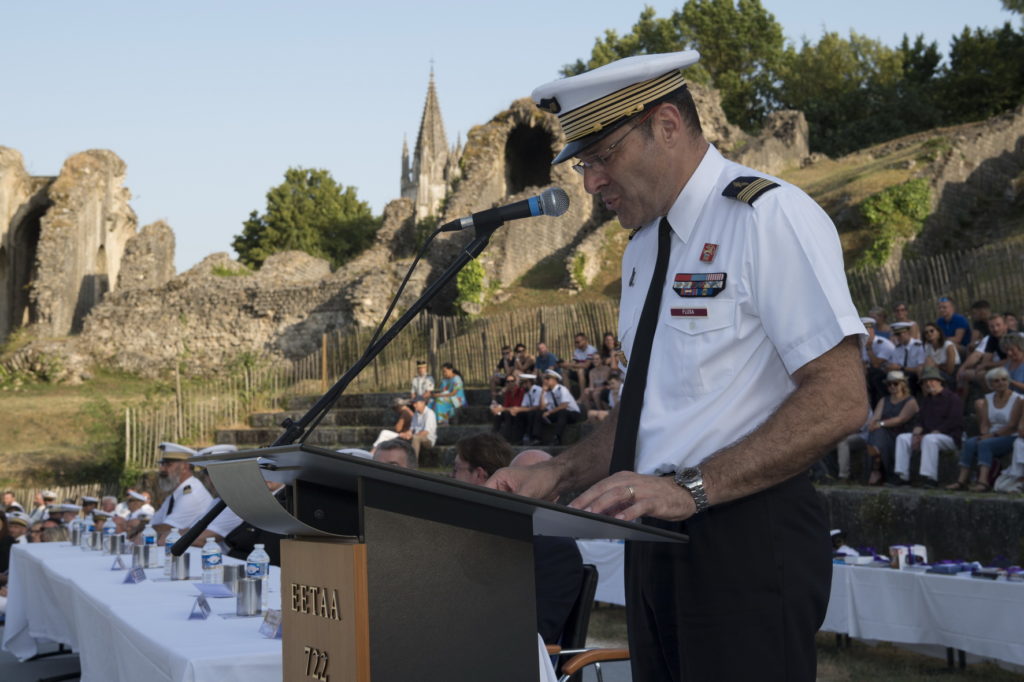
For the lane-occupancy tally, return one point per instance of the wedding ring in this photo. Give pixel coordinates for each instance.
(632, 493)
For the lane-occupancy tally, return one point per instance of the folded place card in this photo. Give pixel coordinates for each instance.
(136, 575)
(200, 609)
(118, 565)
(271, 625)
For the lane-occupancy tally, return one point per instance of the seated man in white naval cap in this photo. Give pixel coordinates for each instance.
(89, 503)
(742, 347)
(187, 500)
(42, 499)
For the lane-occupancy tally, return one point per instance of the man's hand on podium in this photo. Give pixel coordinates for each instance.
(539, 481)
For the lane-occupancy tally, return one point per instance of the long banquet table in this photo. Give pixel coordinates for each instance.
(981, 617)
(138, 631)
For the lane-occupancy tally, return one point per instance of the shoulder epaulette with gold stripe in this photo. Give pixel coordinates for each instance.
(748, 189)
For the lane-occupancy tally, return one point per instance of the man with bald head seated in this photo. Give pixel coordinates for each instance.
(557, 564)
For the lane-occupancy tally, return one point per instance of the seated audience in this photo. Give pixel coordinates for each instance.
(939, 425)
(880, 315)
(876, 353)
(981, 312)
(1012, 323)
(511, 396)
(844, 446)
(396, 452)
(557, 562)
(422, 383)
(582, 360)
(954, 326)
(10, 504)
(1012, 480)
(902, 314)
(6, 541)
(999, 413)
(451, 394)
(43, 499)
(908, 354)
(89, 504)
(545, 360)
(187, 499)
(424, 426)
(558, 407)
(18, 526)
(605, 362)
(1012, 346)
(403, 422)
(517, 421)
(892, 416)
(610, 398)
(35, 532)
(506, 367)
(524, 362)
(940, 353)
(986, 355)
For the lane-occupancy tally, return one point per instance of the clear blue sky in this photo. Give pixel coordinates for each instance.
(210, 102)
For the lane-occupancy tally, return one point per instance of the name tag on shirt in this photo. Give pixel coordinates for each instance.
(689, 312)
(699, 284)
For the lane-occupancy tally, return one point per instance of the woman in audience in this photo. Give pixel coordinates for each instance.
(999, 412)
(1012, 346)
(597, 379)
(893, 415)
(902, 314)
(451, 394)
(940, 352)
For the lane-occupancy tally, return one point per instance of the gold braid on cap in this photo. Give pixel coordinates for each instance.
(594, 116)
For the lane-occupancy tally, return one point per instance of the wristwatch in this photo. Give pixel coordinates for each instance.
(691, 479)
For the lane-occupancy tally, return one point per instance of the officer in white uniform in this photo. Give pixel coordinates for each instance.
(753, 373)
(557, 407)
(189, 500)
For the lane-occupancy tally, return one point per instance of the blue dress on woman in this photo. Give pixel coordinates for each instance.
(445, 405)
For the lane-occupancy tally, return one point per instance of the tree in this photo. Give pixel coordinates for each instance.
(308, 212)
(847, 89)
(741, 48)
(984, 76)
(1014, 6)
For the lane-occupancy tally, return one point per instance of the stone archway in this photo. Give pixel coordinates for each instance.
(21, 270)
(527, 158)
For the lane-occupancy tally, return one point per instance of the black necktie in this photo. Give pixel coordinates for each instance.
(631, 402)
(170, 506)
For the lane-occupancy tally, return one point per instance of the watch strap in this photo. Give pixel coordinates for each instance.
(692, 480)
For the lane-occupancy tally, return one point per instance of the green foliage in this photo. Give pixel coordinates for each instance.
(578, 269)
(741, 48)
(895, 214)
(984, 76)
(934, 148)
(470, 284)
(227, 271)
(1014, 6)
(308, 212)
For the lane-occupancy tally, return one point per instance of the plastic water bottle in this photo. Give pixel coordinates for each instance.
(172, 537)
(109, 528)
(213, 568)
(149, 536)
(257, 565)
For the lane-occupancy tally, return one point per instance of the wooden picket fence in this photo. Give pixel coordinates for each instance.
(994, 273)
(473, 346)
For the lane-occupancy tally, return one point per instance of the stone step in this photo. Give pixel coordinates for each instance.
(474, 396)
(363, 416)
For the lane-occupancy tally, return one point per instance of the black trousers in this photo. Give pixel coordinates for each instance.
(742, 600)
(558, 420)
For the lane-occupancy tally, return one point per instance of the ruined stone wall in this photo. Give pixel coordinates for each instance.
(15, 192)
(148, 260)
(82, 239)
(976, 184)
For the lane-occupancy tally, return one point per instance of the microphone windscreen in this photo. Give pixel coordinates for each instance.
(554, 201)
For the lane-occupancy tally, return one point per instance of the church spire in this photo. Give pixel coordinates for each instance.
(427, 182)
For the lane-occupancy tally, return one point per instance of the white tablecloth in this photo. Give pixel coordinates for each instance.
(981, 617)
(131, 632)
(608, 557)
(137, 632)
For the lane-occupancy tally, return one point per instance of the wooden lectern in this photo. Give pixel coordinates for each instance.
(395, 575)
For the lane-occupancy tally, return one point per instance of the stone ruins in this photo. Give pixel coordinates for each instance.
(72, 262)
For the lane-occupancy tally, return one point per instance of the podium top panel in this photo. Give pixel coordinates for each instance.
(301, 462)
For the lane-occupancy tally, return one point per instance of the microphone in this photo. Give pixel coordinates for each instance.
(553, 202)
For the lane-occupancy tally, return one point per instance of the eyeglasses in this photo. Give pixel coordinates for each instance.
(890, 384)
(598, 161)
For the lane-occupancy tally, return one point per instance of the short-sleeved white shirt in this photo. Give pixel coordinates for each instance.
(912, 354)
(532, 397)
(560, 394)
(721, 365)
(191, 500)
(224, 523)
(581, 354)
(883, 348)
